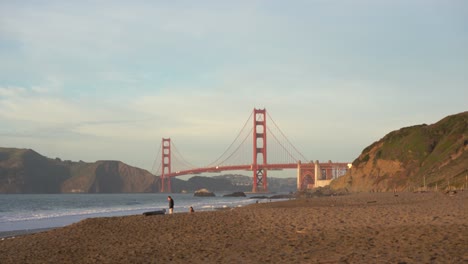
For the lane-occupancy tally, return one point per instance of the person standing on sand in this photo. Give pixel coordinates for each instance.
(171, 204)
(191, 210)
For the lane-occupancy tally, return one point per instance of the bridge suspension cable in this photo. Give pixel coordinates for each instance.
(240, 151)
(242, 155)
(180, 162)
(231, 151)
(282, 155)
(157, 161)
(236, 153)
(292, 148)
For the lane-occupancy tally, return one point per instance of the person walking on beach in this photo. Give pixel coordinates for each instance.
(171, 204)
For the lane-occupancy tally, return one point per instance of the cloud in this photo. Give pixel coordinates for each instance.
(106, 77)
(6, 92)
(63, 116)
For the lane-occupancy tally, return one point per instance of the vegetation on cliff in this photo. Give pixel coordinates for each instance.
(422, 156)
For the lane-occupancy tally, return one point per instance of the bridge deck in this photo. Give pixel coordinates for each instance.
(249, 167)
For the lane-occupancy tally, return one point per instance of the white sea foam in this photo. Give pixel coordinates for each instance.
(22, 212)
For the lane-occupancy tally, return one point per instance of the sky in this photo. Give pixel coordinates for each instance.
(107, 80)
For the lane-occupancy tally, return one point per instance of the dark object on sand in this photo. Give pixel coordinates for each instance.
(451, 193)
(158, 212)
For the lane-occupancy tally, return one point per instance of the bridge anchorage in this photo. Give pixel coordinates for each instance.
(281, 155)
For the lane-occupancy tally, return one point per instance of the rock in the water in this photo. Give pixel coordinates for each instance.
(203, 193)
(235, 194)
(259, 197)
(282, 196)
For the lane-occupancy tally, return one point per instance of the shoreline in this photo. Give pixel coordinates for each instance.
(16, 233)
(354, 228)
(21, 232)
(38, 225)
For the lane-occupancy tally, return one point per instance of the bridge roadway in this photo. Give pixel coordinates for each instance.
(250, 167)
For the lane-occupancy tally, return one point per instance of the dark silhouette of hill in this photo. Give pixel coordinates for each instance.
(26, 171)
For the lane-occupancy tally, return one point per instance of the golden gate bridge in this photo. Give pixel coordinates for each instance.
(248, 151)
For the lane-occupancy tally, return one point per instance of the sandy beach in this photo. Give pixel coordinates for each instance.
(356, 228)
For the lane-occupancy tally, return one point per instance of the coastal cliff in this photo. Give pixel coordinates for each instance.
(109, 177)
(413, 158)
(26, 171)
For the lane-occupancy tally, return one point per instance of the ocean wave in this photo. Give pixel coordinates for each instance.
(29, 211)
(30, 216)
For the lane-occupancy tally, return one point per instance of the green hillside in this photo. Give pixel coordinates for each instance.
(408, 158)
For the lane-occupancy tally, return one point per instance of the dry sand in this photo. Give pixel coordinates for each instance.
(358, 228)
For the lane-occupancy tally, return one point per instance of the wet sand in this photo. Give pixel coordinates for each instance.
(11, 234)
(357, 228)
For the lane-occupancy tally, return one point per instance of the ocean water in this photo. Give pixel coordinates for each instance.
(37, 211)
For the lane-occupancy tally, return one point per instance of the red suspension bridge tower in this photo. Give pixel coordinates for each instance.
(166, 165)
(283, 155)
(259, 149)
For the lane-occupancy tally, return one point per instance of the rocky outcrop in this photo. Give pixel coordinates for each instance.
(203, 193)
(199, 182)
(235, 194)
